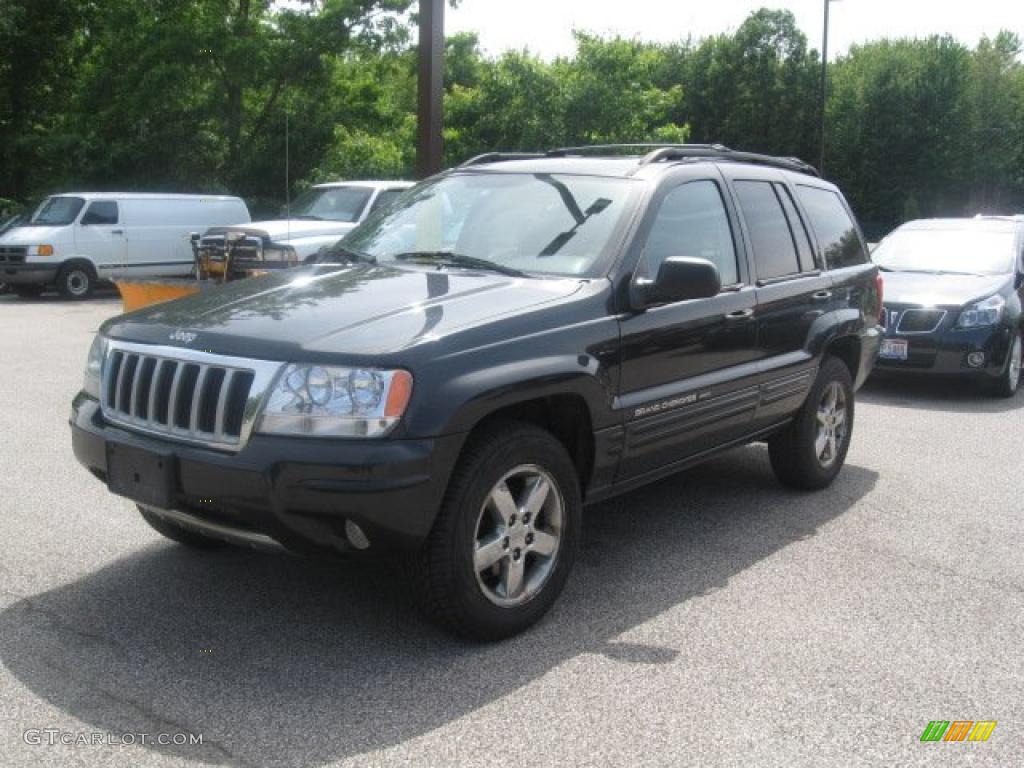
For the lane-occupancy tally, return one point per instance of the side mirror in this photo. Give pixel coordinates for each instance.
(680, 278)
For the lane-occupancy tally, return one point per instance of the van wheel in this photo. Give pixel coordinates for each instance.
(76, 281)
(809, 453)
(176, 533)
(505, 539)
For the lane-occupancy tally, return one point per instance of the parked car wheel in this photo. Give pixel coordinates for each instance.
(76, 281)
(809, 453)
(27, 291)
(505, 539)
(1008, 383)
(178, 534)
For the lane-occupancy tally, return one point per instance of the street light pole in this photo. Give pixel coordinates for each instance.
(824, 91)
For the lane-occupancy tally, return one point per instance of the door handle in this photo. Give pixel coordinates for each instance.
(739, 314)
(822, 296)
(117, 231)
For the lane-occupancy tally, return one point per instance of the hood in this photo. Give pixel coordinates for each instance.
(287, 229)
(925, 290)
(32, 235)
(353, 310)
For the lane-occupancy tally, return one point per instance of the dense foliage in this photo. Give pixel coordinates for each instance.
(194, 95)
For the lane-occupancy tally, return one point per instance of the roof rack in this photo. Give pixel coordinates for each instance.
(608, 149)
(719, 152)
(498, 157)
(656, 153)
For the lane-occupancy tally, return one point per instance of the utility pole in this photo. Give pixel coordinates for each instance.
(824, 90)
(431, 88)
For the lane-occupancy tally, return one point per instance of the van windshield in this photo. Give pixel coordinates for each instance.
(56, 212)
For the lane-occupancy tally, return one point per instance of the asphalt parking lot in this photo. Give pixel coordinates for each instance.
(714, 619)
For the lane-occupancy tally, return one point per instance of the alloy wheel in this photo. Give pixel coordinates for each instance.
(832, 424)
(518, 536)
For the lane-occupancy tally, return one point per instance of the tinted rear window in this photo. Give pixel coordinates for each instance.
(771, 238)
(835, 230)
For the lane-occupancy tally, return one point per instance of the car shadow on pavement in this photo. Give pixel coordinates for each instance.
(102, 293)
(935, 394)
(284, 661)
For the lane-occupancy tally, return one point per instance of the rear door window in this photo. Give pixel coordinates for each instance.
(809, 260)
(692, 222)
(833, 226)
(771, 238)
(100, 212)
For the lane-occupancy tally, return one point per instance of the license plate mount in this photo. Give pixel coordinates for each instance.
(146, 477)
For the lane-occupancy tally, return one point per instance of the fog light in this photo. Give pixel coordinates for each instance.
(976, 359)
(355, 535)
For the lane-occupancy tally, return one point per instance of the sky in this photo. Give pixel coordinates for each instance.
(545, 26)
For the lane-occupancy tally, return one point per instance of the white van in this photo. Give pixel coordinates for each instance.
(318, 217)
(75, 239)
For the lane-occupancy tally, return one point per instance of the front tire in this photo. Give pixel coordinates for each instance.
(178, 534)
(505, 539)
(76, 281)
(1007, 384)
(809, 453)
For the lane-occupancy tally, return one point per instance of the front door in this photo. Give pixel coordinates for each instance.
(100, 236)
(689, 369)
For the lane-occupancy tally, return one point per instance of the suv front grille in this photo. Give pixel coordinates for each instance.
(920, 320)
(183, 395)
(12, 254)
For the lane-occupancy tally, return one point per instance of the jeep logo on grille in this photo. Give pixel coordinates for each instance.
(185, 337)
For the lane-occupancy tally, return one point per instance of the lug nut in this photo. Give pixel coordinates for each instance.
(526, 518)
(529, 538)
(517, 554)
(511, 519)
(505, 543)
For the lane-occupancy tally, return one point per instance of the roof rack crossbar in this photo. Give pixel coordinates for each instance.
(498, 157)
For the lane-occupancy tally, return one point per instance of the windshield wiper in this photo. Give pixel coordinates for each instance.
(459, 260)
(341, 253)
(308, 217)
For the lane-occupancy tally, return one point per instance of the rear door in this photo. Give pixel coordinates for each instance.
(688, 376)
(793, 291)
(100, 236)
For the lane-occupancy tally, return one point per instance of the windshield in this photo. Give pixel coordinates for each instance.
(964, 251)
(546, 223)
(331, 203)
(57, 211)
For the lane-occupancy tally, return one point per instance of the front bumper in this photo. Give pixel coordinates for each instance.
(28, 274)
(298, 492)
(945, 352)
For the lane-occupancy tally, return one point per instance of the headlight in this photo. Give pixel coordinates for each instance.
(320, 400)
(94, 366)
(983, 313)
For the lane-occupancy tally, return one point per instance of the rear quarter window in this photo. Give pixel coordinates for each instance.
(834, 228)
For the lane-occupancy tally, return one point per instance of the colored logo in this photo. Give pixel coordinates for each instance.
(958, 730)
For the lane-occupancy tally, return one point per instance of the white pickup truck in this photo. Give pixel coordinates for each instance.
(318, 217)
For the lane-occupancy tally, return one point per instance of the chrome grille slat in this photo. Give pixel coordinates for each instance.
(206, 389)
(222, 402)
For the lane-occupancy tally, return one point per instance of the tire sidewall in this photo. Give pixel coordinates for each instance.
(502, 457)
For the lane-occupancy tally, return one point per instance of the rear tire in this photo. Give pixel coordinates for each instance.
(809, 453)
(178, 534)
(76, 281)
(506, 536)
(1009, 381)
